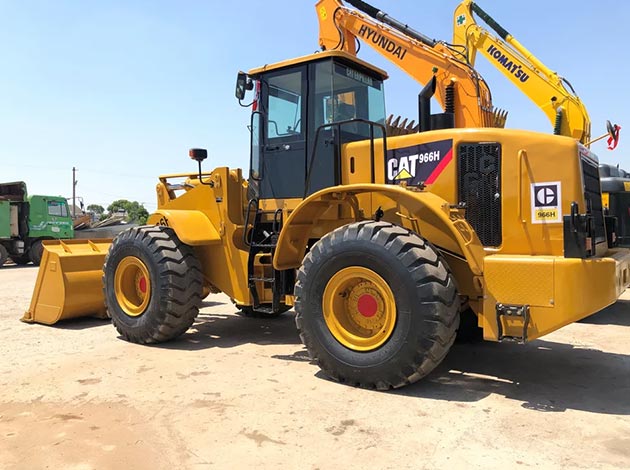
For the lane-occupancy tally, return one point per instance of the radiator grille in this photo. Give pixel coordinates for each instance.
(479, 186)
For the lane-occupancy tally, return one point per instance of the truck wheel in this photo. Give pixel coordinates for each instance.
(152, 284)
(35, 252)
(4, 255)
(376, 305)
(21, 260)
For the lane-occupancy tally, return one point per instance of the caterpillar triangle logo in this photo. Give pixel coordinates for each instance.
(403, 175)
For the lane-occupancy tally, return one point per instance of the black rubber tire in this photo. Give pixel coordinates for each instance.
(176, 284)
(21, 260)
(249, 311)
(426, 301)
(35, 252)
(4, 255)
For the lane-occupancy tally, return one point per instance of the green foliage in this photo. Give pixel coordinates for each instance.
(135, 212)
(97, 209)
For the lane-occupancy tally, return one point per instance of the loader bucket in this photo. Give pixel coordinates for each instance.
(69, 281)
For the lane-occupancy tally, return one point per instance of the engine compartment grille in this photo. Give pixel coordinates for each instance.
(479, 188)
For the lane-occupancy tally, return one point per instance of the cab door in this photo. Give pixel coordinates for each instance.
(282, 166)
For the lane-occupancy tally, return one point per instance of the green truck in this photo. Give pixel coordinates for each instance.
(27, 220)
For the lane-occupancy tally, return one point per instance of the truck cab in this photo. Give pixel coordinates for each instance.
(25, 221)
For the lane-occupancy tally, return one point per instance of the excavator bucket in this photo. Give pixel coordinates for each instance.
(69, 281)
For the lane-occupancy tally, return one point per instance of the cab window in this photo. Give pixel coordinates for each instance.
(58, 209)
(284, 112)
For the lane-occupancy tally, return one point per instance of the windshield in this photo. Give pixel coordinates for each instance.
(344, 93)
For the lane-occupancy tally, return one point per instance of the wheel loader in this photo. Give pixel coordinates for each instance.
(379, 244)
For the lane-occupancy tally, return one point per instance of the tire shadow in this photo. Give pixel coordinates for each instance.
(229, 330)
(544, 376)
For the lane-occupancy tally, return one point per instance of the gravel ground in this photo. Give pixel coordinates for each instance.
(237, 392)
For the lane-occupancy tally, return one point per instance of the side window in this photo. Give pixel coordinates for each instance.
(285, 106)
(58, 209)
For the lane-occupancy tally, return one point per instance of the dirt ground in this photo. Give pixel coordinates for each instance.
(237, 392)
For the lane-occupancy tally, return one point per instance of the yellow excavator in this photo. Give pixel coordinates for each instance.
(459, 89)
(377, 242)
(552, 93)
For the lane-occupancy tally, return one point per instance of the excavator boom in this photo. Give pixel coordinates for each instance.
(459, 88)
(548, 90)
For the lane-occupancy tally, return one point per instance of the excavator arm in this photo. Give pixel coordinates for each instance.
(549, 91)
(459, 88)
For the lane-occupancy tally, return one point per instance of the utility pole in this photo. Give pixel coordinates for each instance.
(74, 186)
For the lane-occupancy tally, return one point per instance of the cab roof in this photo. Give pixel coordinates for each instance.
(319, 56)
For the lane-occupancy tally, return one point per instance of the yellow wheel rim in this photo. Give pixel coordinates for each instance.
(132, 286)
(359, 308)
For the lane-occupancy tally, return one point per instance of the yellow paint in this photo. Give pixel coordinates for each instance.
(626, 185)
(192, 226)
(341, 305)
(69, 281)
(132, 286)
(606, 200)
(558, 290)
(546, 214)
(317, 56)
(403, 175)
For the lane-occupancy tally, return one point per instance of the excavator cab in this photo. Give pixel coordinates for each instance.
(303, 112)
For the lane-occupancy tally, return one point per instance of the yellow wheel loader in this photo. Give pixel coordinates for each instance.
(378, 243)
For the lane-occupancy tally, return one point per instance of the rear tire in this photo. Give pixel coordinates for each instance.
(4, 255)
(35, 252)
(152, 284)
(405, 297)
(21, 260)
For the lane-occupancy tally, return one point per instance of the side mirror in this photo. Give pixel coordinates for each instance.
(198, 155)
(243, 83)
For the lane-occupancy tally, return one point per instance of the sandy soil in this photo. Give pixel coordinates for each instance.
(240, 393)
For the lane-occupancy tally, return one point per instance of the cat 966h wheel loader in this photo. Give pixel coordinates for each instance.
(377, 242)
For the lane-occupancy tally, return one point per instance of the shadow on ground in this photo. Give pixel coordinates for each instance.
(215, 330)
(544, 376)
(617, 314)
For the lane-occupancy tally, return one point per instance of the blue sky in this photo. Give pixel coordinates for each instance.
(121, 89)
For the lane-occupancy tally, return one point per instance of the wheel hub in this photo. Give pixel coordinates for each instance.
(132, 286)
(359, 308)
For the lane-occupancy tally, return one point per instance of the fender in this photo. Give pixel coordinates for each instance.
(192, 227)
(430, 210)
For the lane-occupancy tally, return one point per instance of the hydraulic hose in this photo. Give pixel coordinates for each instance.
(394, 23)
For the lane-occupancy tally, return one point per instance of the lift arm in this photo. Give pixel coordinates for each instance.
(460, 89)
(553, 94)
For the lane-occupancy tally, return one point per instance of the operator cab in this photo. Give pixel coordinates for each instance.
(303, 112)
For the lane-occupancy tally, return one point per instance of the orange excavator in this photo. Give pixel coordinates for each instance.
(459, 89)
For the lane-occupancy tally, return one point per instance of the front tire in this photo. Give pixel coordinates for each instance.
(376, 305)
(152, 284)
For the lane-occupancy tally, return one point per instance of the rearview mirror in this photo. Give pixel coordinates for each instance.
(243, 83)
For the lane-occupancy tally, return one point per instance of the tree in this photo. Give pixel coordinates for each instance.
(134, 211)
(97, 209)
